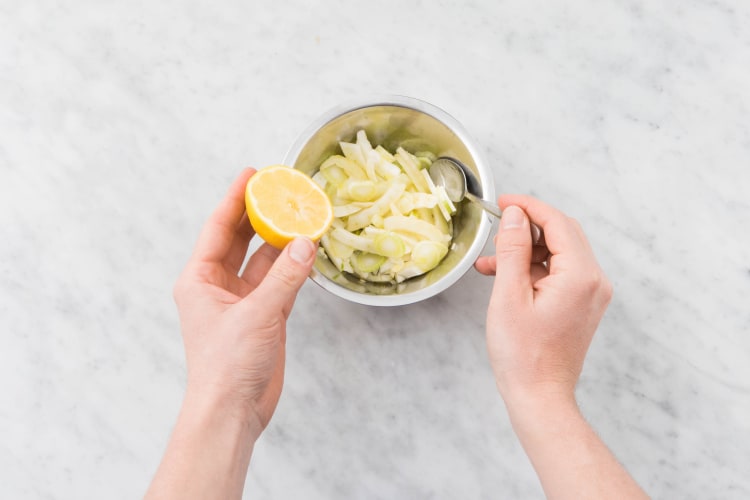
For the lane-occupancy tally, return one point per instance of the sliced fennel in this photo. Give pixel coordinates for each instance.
(391, 222)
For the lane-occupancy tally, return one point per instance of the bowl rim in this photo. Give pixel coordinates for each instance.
(485, 175)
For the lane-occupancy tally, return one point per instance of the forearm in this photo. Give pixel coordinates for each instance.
(208, 454)
(569, 458)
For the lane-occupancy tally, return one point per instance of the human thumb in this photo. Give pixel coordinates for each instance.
(512, 253)
(286, 276)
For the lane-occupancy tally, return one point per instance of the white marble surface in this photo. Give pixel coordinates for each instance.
(121, 125)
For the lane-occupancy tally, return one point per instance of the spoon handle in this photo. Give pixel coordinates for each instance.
(537, 236)
(486, 205)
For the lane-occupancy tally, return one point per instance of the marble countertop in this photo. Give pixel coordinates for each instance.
(122, 124)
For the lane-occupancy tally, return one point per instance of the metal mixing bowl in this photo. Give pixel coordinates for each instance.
(394, 121)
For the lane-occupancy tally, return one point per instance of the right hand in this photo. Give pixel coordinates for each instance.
(546, 302)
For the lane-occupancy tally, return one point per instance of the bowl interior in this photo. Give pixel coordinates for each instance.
(393, 125)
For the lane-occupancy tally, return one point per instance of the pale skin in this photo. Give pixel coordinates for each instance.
(545, 306)
(234, 331)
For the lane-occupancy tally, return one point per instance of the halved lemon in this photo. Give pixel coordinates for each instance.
(283, 203)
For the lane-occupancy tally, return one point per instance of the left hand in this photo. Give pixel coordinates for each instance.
(234, 324)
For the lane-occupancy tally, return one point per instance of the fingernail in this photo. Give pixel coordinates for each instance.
(512, 217)
(301, 249)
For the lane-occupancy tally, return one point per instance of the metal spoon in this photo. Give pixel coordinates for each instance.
(459, 183)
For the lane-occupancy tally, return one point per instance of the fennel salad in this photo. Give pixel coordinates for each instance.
(391, 222)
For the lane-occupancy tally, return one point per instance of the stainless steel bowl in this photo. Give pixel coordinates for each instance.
(394, 121)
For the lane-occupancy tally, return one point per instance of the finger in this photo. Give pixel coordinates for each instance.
(559, 234)
(238, 249)
(486, 265)
(258, 264)
(569, 249)
(278, 289)
(219, 232)
(513, 257)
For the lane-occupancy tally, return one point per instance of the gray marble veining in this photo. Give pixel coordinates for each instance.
(121, 124)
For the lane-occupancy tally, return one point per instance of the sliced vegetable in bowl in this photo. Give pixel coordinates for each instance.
(391, 222)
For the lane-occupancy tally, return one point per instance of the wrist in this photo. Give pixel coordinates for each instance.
(532, 409)
(544, 417)
(208, 453)
(214, 408)
(523, 390)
